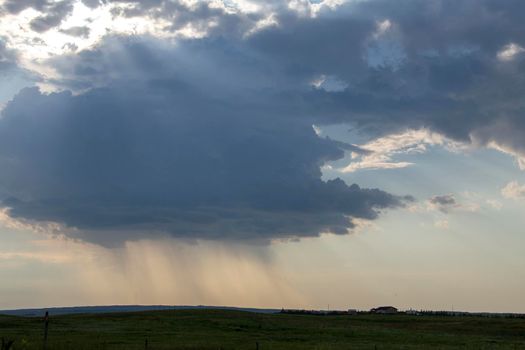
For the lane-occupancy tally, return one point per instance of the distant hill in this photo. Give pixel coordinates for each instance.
(121, 308)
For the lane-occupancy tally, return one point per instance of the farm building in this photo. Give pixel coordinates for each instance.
(384, 310)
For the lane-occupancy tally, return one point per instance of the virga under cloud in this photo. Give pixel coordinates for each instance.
(209, 135)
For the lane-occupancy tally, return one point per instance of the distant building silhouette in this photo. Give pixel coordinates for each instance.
(384, 310)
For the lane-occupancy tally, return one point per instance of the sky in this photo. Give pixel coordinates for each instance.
(299, 154)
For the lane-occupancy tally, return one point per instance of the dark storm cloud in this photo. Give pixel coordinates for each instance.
(165, 158)
(451, 52)
(438, 66)
(213, 137)
(177, 141)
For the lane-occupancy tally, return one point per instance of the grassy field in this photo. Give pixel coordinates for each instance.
(219, 329)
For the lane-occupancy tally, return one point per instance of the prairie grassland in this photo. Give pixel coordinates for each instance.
(221, 329)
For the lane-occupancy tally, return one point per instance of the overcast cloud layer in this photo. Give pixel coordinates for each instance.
(212, 137)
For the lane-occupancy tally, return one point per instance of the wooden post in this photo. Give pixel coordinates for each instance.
(146, 344)
(256, 345)
(46, 326)
(6, 344)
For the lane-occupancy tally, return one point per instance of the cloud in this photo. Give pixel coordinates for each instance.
(92, 3)
(447, 203)
(513, 190)
(509, 52)
(8, 58)
(13, 77)
(38, 227)
(17, 6)
(79, 31)
(52, 17)
(518, 155)
(52, 12)
(209, 134)
(329, 84)
(443, 203)
(382, 151)
(162, 150)
(417, 76)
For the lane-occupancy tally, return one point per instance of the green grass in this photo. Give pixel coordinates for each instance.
(219, 329)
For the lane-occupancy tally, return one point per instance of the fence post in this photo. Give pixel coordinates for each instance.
(46, 326)
(6, 344)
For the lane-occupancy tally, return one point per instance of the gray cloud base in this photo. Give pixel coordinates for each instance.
(164, 158)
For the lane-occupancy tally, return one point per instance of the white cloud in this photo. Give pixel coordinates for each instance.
(375, 165)
(509, 52)
(329, 83)
(384, 149)
(267, 22)
(35, 47)
(302, 7)
(382, 27)
(513, 190)
(309, 8)
(27, 225)
(520, 158)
